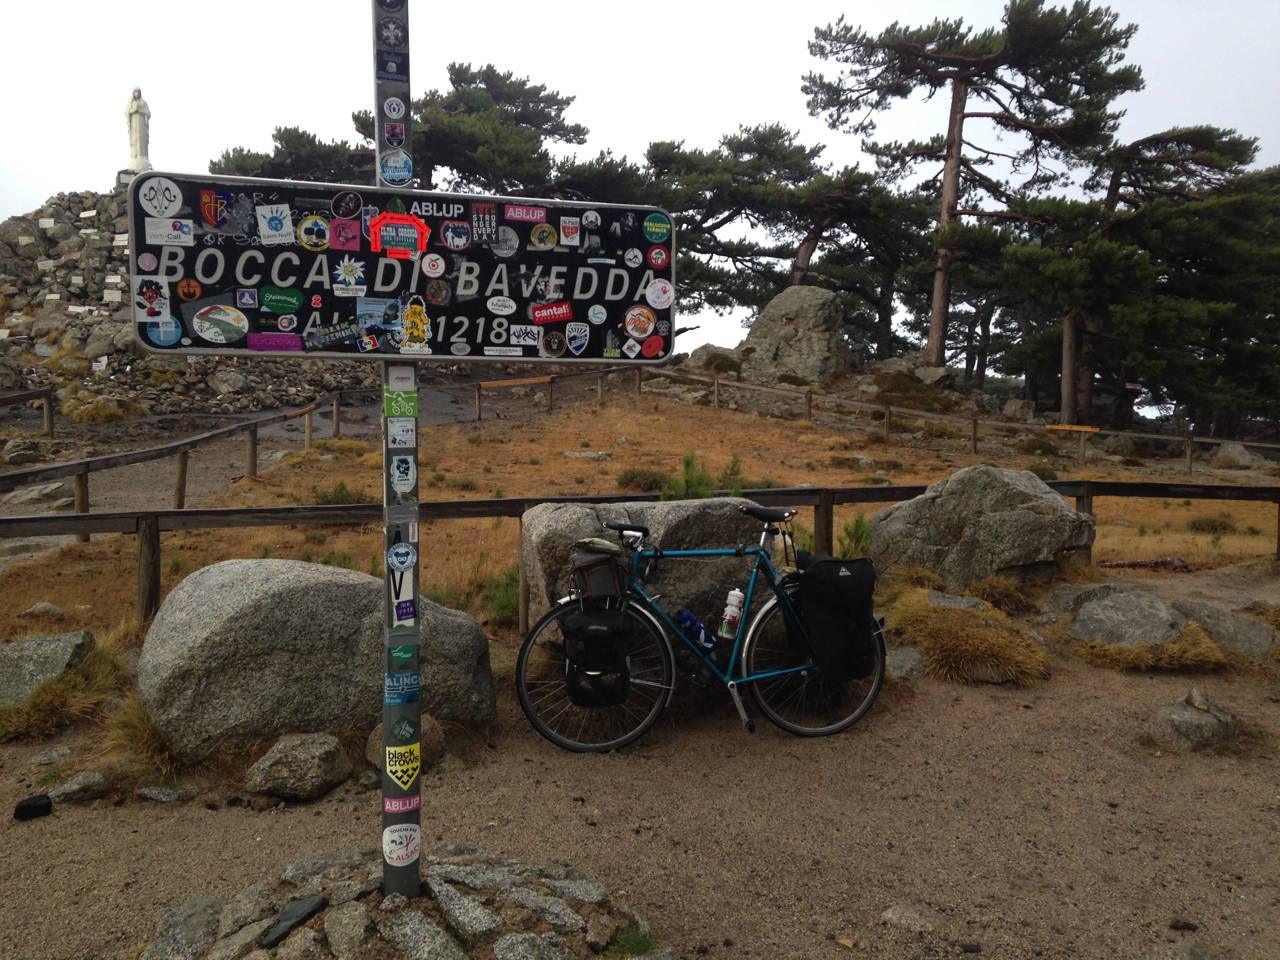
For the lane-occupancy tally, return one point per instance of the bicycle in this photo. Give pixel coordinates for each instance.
(768, 653)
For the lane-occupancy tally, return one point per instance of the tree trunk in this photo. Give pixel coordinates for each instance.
(935, 349)
(1028, 375)
(985, 313)
(804, 254)
(1089, 327)
(1070, 364)
(884, 315)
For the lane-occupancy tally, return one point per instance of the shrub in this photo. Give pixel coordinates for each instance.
(642, 478)
(854, 539)
(78, 694)
(376, 568)
(791, 380)
(466, 483)
(630, 942)
(344, 560)
(1213, 525)
(1043, 470)
(718, 362)
(1191, 649)
(315, 536)
(1038, 447)
(691, 483)
(338, 495)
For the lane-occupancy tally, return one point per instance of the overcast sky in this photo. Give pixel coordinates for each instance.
(225, 72)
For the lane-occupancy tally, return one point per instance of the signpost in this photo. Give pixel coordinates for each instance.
(227, 266)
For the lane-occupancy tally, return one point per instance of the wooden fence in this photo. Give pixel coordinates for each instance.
(147, 525)
(43, 394)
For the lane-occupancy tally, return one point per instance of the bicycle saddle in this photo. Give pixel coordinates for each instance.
(625, 527)
(768, 514)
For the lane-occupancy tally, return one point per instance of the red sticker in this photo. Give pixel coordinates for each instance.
(652, 347)
(659, 257)
(551, 312)
(400, 235)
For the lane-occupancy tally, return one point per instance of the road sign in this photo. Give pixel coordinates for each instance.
(234, 266)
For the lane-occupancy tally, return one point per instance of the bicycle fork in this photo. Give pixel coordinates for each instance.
(748, 724)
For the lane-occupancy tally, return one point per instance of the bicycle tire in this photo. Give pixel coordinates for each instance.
(763, 652)
(544, 690)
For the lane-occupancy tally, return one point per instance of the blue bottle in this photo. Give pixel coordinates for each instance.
(696, 631)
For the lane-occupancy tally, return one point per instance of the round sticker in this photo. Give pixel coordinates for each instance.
(657, 228)
(395, 167)
(391, 6)
(393, 107)
(639, 321)
(147, 262)
(391, 32)
(160, 197)
(553, 343)
(591, 219)
(633, 257)
(501, 306)
(401, 557)
(597, 314)
(346, 205)
(163, 333)
(659, 257)
(189, 289)
(543, 236)
(460, 348)
(287, 323)
(652, 347)
(438, 293)
(220, 324)
(659, 294)
(507, 244)
(401, 844)
(433, 265)
(313, 233)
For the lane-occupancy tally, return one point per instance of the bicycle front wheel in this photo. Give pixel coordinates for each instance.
(544, 695)
(796, 697)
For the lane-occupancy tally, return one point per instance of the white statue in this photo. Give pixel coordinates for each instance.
(139, 116)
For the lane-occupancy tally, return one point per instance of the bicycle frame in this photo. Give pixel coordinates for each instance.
(638, 592)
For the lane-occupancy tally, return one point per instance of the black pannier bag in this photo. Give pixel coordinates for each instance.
(835, 606)
(597, 641)
(596, 569)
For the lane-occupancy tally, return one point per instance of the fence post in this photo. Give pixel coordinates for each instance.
(1189, 467)
(48, 414)
(1084, 504)
(824, 522)
(887, 408)
(306, 430)
(148, 566)
(478, 417)
(551, 394)
(337, 424)
(973, 435)
(600, 390)
(639, 381)
(81, 482)
(522, 617)
(715, 391)
(1278, 529)
(180, 485)
(808, 405)
(1083, 437)
(253, 450)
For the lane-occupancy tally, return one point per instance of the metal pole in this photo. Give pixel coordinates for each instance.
(402, 686)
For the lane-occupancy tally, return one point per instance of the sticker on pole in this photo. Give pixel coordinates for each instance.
(401, 557)
(403, 764)
(401, 844)
(392, 273)
(401, 688)
(404, 473)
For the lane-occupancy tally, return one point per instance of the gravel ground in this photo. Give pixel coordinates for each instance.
(1034, 822)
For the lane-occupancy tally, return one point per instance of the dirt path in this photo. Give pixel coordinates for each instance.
(1034, 822)
(1235, 586)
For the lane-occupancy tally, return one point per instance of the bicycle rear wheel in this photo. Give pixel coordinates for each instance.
(798, 698)
(544, 697)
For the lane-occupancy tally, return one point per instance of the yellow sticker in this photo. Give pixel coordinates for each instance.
(403, 764)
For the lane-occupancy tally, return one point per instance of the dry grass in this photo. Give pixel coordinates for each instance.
(130, 739)
(1192, 649)
(968, 646)
(1003, 593)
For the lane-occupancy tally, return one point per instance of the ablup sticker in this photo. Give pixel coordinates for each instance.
(402, 804)
(401, 844)
(401, 557)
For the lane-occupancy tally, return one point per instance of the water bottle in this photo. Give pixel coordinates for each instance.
(732, 613)
(696, 631)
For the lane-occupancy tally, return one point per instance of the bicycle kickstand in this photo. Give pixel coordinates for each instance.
(747, 722)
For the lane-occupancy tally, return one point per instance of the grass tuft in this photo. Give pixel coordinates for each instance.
(338, 495)
(1043, 470)
(78, 694)
(1191, 649)
(130, 731)
(630, 942)
(1038, 447)
(854, 539)
(1003, 593)
(969, 646)
(1215, 525)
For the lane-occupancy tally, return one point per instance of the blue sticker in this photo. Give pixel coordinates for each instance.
(164, 332)
(400, 688)
(396, 167)
(406, 609)
(401, 557)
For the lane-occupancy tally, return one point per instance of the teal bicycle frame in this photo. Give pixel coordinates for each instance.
(727, 676)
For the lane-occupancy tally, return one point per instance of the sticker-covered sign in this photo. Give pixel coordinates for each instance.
(234, 266)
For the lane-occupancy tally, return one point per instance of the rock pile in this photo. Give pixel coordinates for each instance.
(474, 904)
